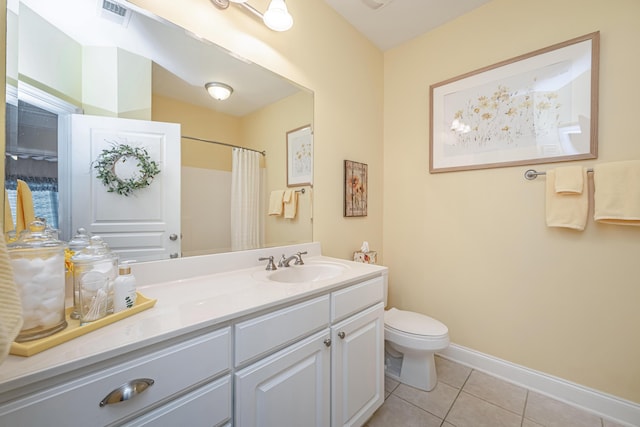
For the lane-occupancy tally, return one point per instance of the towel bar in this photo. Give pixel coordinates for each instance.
(533, 174)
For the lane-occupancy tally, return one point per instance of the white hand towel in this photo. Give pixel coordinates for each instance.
(567, 210)
(617, 193)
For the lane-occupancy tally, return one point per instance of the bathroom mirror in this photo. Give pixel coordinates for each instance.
(94, 33)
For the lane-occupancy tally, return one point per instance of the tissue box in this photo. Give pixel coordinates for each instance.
(370, 257)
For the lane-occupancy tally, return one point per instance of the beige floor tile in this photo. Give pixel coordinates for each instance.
(553, 413)
(446, 424)
(470, 411)
(397, 413)
(451, 373)
(437, 401)
(529, 423)
(609, 423)
(496, 391)
(390, 384)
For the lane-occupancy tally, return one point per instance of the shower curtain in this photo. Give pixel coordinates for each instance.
(245, 200)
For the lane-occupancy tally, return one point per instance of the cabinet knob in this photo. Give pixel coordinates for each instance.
(127, 391)
(173, 237)
(327, 342)
(341, 334)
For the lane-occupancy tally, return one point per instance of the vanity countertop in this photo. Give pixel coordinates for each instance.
(183, 306)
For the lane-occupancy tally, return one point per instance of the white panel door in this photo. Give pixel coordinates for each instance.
(146, 224)
(288, 388)
(357, 366)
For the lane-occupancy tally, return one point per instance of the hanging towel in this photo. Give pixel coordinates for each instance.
(8, 219)
(567, 210)
(275, 202)
(10, 307)
(290, 204)
(617, 193)
(24, 207)
(569, 180)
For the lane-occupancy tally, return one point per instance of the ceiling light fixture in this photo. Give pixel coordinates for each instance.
(277, 16)
(219, 91)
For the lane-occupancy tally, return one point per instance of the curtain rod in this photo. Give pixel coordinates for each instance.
(264, 153)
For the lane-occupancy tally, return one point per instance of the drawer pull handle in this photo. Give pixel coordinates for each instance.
(127, 391)
(341, 334)
(327, 342)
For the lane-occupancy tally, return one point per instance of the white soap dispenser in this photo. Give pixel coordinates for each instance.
(124, 289)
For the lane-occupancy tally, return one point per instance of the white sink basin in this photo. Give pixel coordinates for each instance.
(306, 273)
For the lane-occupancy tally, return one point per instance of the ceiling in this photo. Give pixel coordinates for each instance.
(389, 23)
(181, 62)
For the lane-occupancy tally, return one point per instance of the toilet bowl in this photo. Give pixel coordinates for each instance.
(411, 339)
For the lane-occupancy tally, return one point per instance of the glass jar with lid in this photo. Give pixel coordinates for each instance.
(94, 270)
(77, 243)
(38, 263)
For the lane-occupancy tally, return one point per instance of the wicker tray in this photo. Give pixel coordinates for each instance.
(74, 329)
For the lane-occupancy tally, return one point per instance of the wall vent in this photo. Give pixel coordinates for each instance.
(114, 12)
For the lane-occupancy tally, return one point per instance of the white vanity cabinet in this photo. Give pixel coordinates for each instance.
(231, 351)
(330, 375)
(111, 394)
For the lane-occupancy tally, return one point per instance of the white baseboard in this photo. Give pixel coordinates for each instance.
(605, 405)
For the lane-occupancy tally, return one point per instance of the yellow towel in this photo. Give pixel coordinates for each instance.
(8, 219)
(617, 193)
(566, 210)
(24, 207)
(569, 180)
(10, 307)
(291, 205)
(275, 202)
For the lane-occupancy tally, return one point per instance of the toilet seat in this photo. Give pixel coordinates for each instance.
(409, 323)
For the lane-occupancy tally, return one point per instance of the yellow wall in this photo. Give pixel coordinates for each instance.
(204, 123)
(472, 249)
(266, 130)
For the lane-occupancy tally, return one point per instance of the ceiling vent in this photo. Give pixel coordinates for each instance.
(376, 4)
(114, 12)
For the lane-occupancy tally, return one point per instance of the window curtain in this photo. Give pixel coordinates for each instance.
(245, 200)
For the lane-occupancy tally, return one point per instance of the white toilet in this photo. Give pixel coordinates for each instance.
(411, 339)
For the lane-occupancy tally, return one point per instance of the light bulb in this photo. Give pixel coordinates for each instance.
(277, 16)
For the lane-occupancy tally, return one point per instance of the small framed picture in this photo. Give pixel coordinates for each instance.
(299, 157)
(355, 188)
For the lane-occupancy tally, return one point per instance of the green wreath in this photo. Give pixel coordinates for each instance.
(106, 162)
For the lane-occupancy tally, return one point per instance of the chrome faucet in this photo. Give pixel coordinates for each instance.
(297, 258)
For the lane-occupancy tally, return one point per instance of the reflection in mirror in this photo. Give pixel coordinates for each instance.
(115, 60)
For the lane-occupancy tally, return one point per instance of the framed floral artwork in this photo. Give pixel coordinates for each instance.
(355, 188)
(300, 156)
(539, 107)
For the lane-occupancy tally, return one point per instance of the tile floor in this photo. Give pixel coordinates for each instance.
(465, 397)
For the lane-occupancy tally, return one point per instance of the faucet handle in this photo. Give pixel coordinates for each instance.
(299, 260)
(270, 264)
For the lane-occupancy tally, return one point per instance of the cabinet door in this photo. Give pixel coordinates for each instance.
(357, 352)
(288, 388)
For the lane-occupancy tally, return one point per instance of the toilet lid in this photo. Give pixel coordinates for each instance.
(414, 323)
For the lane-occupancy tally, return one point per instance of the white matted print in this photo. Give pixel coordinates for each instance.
(537, 108)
